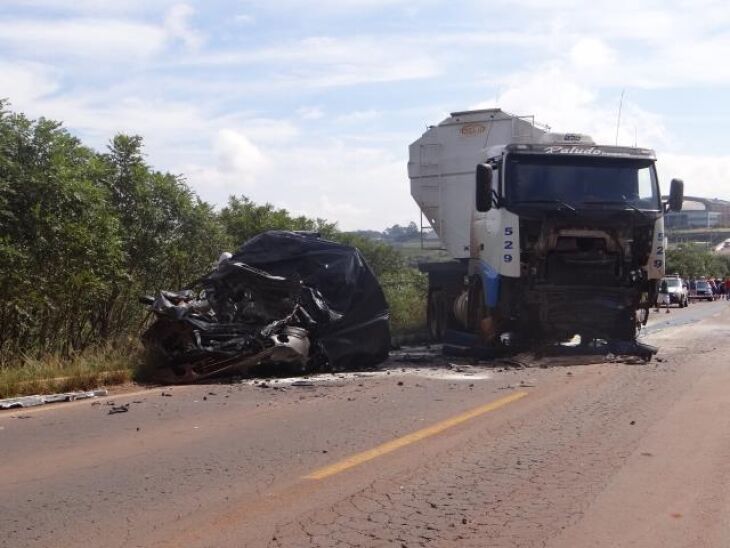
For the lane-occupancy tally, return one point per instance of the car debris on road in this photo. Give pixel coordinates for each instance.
(35, 400)
(283, 298)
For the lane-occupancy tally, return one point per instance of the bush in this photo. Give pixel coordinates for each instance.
(406, 291)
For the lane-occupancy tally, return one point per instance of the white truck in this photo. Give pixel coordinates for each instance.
(551, 235)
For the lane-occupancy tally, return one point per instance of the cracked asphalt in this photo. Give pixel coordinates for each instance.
(419, 453)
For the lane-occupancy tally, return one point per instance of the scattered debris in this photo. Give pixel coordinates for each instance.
(302, 383)
(119, 409)
(283, 298)
(32, 401)
(415, 357)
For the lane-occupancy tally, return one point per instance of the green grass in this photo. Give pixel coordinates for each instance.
(104, 366)
(406, 295)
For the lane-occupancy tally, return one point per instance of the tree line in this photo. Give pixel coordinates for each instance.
(694, 260)
(84, 233)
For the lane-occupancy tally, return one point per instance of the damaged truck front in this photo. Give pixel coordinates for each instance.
(553, 235)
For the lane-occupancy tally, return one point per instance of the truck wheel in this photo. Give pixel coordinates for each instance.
(437, 316)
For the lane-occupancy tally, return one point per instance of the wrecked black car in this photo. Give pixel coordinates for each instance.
(284, 298)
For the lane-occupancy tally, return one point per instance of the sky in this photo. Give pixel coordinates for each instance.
(311, 104)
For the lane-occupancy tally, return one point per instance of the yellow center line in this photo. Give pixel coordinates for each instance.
(418, 435)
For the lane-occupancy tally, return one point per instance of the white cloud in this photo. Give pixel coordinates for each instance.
(24, 83)
(177, 25)
(590, 53)
(310, 113)
(245, 19)
(557, 95)
(85, 38)
(369, 183)
(347, 215)
(265, 131)
(331, 179)
(325, 61)
(358, 116)
(90, 6)
(237, 154)
(233, 164)
(332, 6)
(703, 175)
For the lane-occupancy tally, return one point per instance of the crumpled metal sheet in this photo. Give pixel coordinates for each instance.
(283, 298)
(35, 400)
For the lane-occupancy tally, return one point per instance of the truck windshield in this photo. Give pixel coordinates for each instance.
(582, 181)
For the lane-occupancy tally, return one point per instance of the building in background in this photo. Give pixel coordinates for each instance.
(704, 221)
(699, 213)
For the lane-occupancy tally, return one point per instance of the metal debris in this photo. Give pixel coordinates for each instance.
(124, 408)
(35, 400)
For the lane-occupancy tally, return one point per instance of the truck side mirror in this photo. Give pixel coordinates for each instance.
(484, 187)
(676, 195)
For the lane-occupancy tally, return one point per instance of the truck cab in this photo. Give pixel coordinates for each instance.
(565, 236)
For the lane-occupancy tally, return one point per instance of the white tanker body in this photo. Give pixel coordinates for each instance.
(551, 234)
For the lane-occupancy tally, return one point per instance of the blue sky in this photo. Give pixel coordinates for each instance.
(310, 105)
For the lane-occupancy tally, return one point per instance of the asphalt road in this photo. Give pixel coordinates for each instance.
(418, 454)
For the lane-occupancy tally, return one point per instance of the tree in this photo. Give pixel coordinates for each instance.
(693, 261)
(242, 219)
(397, 233)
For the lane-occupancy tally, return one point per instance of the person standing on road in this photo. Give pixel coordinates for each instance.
(727, 288)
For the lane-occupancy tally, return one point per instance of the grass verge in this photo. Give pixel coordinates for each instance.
(405, 292)
(104, 366)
